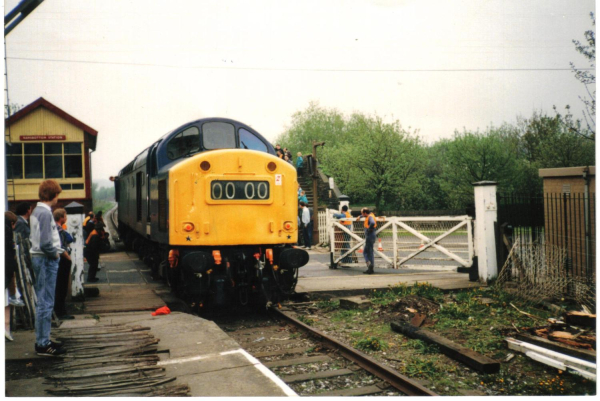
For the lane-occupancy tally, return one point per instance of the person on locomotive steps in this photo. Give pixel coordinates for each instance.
(64, 266)
(346, 237)
(370, 238)
(45, 255)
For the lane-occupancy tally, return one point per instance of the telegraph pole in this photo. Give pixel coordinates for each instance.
(315, 176)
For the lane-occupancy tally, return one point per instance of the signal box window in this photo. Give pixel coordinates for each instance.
(250, 141)
(34, 160)
(217, 135)
(73, 162)
(184, 143)
(53, 160)
(14, 161)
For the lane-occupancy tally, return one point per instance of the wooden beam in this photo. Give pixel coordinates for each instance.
(317, 375)
(585, 354)
(479, 362)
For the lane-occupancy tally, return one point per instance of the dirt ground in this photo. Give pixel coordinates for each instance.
(478, 319)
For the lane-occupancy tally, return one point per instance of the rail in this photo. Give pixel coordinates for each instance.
(395, 379)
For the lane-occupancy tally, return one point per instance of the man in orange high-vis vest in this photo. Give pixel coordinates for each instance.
(370, 238)
(346, 237)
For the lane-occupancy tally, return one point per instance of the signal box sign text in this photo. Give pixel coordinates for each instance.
(42, 137)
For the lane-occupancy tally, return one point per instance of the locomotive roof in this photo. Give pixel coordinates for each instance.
(165, 139)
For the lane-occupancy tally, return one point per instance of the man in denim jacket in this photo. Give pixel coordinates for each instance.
(45, 255)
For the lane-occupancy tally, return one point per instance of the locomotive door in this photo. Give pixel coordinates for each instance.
(151, 172)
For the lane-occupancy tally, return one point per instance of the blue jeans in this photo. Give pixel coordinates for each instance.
(368, 250)
(45, 270)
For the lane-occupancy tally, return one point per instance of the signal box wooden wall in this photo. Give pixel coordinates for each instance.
(44, 142)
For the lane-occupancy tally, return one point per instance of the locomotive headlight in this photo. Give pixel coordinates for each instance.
(288, 225)
(271, 166)
(205, 166)
(188, 227)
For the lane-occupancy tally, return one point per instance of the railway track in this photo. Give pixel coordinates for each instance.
(313, 363)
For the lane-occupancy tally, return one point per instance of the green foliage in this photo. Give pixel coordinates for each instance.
(371, 344)
(422, 347)
(103, 198)
(306, 320)
(328, 305)
(424, 290)
(380, 163)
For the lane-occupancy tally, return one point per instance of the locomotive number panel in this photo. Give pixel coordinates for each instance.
(224, 190)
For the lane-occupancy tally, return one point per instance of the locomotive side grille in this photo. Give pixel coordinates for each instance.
(162, 205)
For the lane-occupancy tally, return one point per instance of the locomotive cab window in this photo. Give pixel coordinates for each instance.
(218, 135)
(184, 143)
(250, 141)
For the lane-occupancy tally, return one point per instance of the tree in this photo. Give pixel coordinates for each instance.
(376, 162)
(11, 109)
(313, 124)
(588, 79)
(475, 156)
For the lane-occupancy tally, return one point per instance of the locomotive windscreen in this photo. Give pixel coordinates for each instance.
(239, 190)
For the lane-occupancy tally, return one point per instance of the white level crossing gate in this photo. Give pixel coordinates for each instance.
(419, 243)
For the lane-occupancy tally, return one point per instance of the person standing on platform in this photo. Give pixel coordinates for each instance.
(22, 226)
(45, 255)
(92, 253)
(64, 266)
(299, 163)
(370, 238)
(306, 225)
(346, 237)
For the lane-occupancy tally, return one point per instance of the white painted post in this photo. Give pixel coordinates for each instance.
(75, 228)
(486, 214)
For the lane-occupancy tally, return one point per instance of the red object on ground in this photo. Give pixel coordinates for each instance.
(162, 311)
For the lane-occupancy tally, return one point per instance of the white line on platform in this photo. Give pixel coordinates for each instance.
(255, 362)
(265, 371)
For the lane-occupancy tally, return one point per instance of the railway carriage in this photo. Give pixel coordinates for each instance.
(213, 211)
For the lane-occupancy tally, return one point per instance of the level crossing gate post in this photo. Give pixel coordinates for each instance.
(486, 215)
(75, 228)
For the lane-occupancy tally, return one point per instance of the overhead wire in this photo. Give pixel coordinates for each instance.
(298, 69)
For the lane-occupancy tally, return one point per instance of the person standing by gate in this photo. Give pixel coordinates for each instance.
(45, 255)
(306, 225)
(346, 237)
(370, 238)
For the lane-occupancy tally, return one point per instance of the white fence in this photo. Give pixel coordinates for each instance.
(423, 243)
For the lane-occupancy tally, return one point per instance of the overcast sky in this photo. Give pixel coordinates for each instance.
(135, 69)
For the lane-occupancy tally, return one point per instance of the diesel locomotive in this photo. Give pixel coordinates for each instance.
(211, 209)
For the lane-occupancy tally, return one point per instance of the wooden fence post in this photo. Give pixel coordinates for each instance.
(486, 215)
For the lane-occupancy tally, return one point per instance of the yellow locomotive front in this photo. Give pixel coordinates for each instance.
(233, 197)
(233, 217)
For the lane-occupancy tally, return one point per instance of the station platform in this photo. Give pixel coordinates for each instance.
(194, 350)
(317, 278)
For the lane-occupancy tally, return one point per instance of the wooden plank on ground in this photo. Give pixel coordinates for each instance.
(479, 362)
(315, 376)
(297, 361)
(588, 355)
(282, 352)
(350, 392)
(576, 318)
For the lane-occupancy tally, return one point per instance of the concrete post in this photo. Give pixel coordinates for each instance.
(486, 215)
(75, 228)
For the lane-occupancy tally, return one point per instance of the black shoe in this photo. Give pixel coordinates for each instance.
(93, 280)
(49, 350)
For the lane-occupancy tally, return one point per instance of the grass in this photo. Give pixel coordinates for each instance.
(466, 320)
